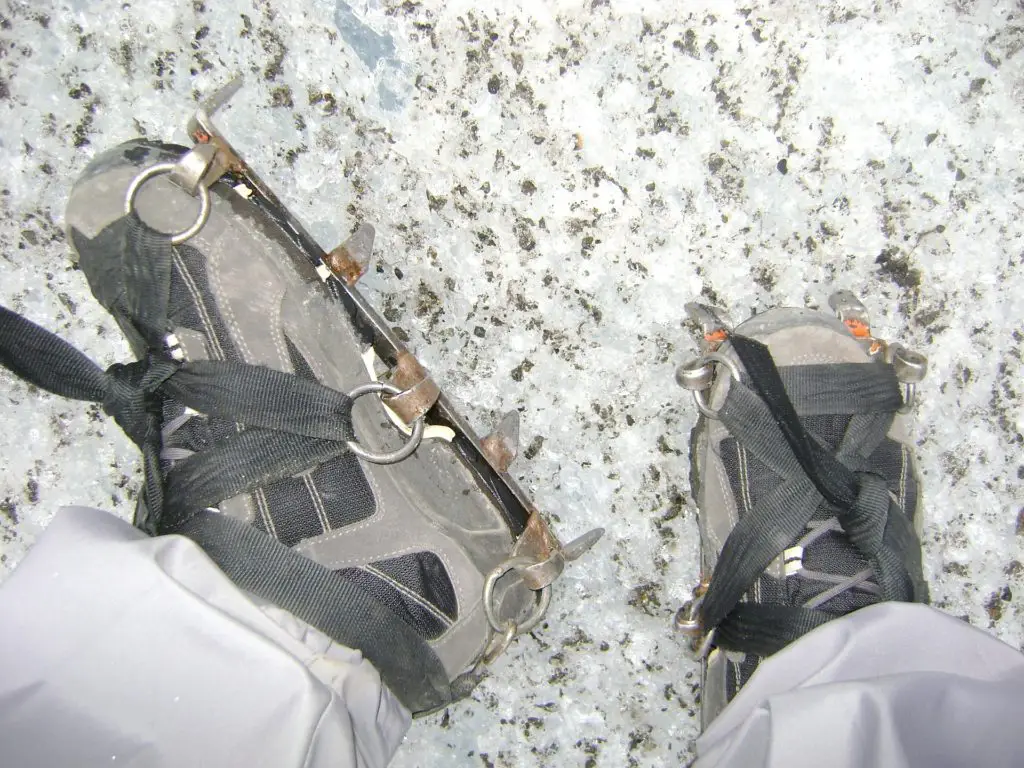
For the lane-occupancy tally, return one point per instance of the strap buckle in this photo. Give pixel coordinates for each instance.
(688, 622)
(539, 559)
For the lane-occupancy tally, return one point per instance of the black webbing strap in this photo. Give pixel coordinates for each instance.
(834, 482)
(755, 541)
(126, 391)
(841, 388)
(291, 424)
(873, 522)
(339, 608)
(294, 423)
(254, 561)
(765, 629)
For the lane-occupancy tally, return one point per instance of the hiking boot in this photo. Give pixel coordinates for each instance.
(803, 472)
(286, 429)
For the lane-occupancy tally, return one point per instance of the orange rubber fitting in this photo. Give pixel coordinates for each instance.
(859, 329)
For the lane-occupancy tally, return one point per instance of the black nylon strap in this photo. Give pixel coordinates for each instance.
(323, 599)
(750, 421)
(765, 629)
(874, 523)
(864, 434)
(144, 278)
(239, 464)
(780, 517)
(47, 361)
(840, 388)
(262, 397)
(754, 542)
(891, 545)
(830, 478)
(148, 513)
(297, 423)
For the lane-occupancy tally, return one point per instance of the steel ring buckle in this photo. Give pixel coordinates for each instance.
(500, 644)
(407, 450)
(698, 394)
(539, 609)
(687, 618)
(687, 622)
(156, 170)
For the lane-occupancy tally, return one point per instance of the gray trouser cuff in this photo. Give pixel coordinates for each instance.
(121, 648)
(117, 647)
(892, 685)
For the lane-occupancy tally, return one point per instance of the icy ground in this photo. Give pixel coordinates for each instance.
(551, 181)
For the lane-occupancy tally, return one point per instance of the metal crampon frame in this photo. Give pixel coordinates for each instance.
(412, 399)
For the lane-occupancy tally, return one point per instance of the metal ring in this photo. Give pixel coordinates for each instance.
(541, 607)
(502, 644)
(698, 394)
(407, 450)
(156, 170)
(687, 619)
(687, 622)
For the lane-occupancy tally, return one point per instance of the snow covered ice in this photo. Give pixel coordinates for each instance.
(550, 182)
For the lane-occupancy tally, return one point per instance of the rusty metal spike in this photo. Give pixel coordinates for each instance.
(221, 96)
(349, 260)
(581, 544)
(502, 446)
